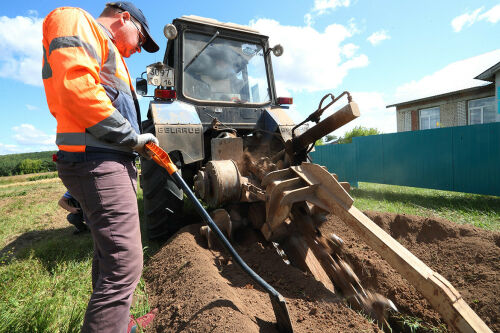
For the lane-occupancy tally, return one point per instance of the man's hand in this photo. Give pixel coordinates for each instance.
(142, 139)
(74, 210)
(64, 203)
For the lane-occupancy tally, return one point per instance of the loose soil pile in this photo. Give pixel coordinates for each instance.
(200, 290)
(466, 256)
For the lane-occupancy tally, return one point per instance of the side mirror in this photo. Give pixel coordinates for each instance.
(141, 86)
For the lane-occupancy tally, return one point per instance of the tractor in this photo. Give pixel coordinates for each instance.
(216, 112)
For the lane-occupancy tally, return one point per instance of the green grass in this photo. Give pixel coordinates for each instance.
(45, 270)
(27, 177)
(411, 324)
(24, 209)
(463, 208)
(45, 293)
(43, 176)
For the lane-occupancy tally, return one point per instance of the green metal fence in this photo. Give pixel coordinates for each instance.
(463, 159)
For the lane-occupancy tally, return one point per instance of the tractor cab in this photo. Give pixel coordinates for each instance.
(208, 62)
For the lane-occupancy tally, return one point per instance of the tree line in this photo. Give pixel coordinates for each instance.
(347, 138)
(19, 164)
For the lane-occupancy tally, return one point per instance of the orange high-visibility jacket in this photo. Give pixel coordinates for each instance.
(87, 84)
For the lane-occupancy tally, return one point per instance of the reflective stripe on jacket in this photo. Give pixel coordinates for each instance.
(87, 84)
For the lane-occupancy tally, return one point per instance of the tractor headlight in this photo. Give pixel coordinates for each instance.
(278, 50)
(170, 31)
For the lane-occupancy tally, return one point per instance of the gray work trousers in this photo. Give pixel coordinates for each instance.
(107, 190)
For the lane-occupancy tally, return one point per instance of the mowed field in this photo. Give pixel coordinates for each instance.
(45, 269)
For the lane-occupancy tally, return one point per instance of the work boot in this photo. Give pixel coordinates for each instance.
(142, 322)
(77, 221)
(81, 229)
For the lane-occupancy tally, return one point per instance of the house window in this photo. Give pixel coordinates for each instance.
(429, 118)
(407, 121)
(482, 111)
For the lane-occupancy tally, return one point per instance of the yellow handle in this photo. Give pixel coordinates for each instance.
(161, 157)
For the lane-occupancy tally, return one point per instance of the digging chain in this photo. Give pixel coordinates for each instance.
(348, 282)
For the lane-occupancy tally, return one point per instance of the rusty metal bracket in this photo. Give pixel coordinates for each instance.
(316, 115)
(306, 182)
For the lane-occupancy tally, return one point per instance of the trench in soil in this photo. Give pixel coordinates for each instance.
(200, 290)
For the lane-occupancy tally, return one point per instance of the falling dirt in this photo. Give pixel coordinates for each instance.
(200, 290)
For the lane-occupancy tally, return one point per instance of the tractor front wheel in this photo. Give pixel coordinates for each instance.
(163, 200)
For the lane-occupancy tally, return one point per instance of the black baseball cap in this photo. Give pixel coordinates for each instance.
(150, 45)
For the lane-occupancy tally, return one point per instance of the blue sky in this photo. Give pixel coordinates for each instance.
(383, 52)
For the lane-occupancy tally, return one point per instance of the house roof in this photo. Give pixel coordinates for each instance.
(456, 92)
(489, 74)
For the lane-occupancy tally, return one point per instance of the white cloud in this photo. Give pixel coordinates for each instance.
(469, 18)
(27, 134)
(455, 76)
(313, 60)
(349, 50)
(28, 139)
(21, 56)
(323, 6)
(378, 37)
(353, 27)
(308, 19)
(32, 107)
(9, 149)
(466, 19)
(492, 15)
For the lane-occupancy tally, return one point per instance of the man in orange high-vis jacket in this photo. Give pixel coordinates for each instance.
(90, 93)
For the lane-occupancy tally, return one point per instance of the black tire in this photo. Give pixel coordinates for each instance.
(163, 200)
